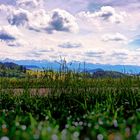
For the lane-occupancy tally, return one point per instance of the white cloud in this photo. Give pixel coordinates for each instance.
(5, 8)
(40, 20)
(61, 20)
(29, 4)
(18, 17)
(114, 37)
(106, 13)
(69, 45)
(9, 33)
(110, 14)
(4, 12)
(94, 54)
(36, 20)
(99, 33)
(11, 36)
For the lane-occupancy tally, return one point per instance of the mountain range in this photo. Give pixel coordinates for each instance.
(75, 65)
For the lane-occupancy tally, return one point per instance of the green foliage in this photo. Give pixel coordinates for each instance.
(73, 107)
(12, 70)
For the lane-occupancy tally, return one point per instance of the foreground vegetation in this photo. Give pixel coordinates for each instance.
(74, 106)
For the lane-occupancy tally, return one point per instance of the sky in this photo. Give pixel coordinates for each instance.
(95, 31)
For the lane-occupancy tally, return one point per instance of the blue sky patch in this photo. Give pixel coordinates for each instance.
(135, 43)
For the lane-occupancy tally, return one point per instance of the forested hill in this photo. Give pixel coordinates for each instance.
(9, 69)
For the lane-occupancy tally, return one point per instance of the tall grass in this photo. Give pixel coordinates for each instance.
(76, 107)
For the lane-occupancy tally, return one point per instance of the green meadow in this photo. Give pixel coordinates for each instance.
(69, 106)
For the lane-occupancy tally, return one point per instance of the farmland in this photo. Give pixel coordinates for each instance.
(69, 106)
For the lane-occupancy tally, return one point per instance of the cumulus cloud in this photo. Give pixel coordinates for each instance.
(8, 33)
(106, 13)
(14, 16)
(5, 8)
(114, 37)
(110, 14)
(61, 20)
(4, 12)
(18, 17)
(11, 36)
(26, 15)
(37, 20)
(40, 20)
(69, 45)
(29, 4)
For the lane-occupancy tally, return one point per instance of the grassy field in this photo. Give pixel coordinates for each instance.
(69, 106)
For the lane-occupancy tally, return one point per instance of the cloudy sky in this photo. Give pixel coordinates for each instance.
(96, 31)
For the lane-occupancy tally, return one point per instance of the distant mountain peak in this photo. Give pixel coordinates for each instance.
(74, 65)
